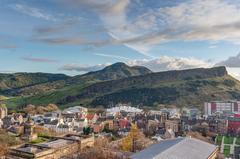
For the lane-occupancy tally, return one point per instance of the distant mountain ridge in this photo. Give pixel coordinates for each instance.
(113, 72)
(138, 85)
(35, 83)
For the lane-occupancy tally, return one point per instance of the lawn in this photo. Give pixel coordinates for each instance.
(228, 140)
(219, 140)
(226, 150)
(38, 140)
(238, 141)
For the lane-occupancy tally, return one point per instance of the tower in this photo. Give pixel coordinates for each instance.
(28, 130)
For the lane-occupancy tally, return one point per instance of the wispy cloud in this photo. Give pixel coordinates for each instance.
(213, 46)
(8, 46)
(83, 68)
(55, 29)
(163, 63)
(32, 11)
(112, 56)
(193, 20)
(62, 40)
(41, 60)
(233, 61)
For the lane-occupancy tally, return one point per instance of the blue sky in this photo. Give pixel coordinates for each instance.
(77, 36)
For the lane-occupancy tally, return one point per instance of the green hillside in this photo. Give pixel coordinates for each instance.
(113, 72)
(29, 84)
(51, 91)
(13, 84)
(181, 88)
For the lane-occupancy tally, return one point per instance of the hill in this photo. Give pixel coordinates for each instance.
(23, 86)
(28, 84)
(182, 88)
(113, 72)
(12, 83)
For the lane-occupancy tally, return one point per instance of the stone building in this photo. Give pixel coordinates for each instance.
(174, 125)
(57, 148)
(28, 131)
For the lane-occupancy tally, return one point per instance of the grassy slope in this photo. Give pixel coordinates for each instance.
(188, 93)
(18, 80)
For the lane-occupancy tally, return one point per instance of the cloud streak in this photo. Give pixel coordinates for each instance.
(34, 12)
(8, 46)
(83, 68)
(112, 56)
(39, 60)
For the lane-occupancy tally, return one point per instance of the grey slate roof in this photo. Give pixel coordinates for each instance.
(179, 148)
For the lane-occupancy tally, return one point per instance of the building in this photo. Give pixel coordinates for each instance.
(174, 125)
(76, 111)
(190, 113)
(123, 108)
(179, 148)
(233, 124)
(60, 126)
(57, 148)
(172, 112)
(28, 131)
(221, 107)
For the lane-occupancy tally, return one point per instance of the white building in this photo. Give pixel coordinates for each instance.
(60, 126)
(75, 109)
(125, 108)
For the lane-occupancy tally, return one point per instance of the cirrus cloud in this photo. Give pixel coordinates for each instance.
(83, 68)
(42, 60)
(32, 11)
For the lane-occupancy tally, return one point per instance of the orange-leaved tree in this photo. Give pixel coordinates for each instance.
(129, 142)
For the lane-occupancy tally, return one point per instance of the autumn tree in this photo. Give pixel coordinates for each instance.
(52, 107)
(129, 142)
(7, 141)
(32, 109)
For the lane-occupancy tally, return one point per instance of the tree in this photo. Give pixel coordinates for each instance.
(30, 109)
(52, 107)
(106, 128)
(7, 141)
(129, 142)
(86, 130)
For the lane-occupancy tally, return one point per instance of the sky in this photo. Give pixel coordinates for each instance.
(77, 36)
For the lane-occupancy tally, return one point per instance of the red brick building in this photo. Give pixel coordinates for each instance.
(234, 124)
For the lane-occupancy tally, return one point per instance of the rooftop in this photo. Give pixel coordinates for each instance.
(57, 143)
(179, 148)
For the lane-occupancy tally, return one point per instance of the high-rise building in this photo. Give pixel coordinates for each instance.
(221, 107)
